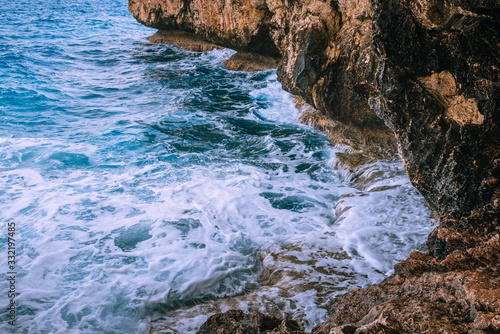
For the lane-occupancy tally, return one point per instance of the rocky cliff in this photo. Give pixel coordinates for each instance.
(423, 74)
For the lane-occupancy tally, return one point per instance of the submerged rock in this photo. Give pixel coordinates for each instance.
(292, 278)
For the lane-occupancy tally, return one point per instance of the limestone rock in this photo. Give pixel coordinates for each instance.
(237, 24)
(428, 69)
(454, 288)
(185, 40)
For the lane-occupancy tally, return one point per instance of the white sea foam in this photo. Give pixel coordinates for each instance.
(383, 223)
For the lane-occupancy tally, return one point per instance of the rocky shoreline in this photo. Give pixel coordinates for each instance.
(420, 75)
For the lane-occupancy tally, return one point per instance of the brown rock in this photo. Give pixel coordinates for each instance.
(361, 143)
(287, 272)
(246, 61)
(185, 40)
(432, 303)
(236, 24)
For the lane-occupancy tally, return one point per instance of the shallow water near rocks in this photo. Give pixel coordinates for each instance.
(143, 178)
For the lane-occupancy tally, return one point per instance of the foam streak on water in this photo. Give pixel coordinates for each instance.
(142, 177)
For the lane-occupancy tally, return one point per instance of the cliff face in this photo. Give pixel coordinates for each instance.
(427, 70)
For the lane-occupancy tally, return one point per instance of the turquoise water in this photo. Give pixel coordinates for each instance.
(142, 177)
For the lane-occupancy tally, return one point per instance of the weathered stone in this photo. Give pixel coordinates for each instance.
(237, 24)
(455, 288)
(287, 271)
(185, 40)
(432, 303)
(438, 90)
(428, 69)
(362, 143)
(246, 61)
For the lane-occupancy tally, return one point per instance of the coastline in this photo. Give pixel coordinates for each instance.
(392, 67)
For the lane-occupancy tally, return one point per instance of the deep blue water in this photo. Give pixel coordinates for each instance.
(142, 177)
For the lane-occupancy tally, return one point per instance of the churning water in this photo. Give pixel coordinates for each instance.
(142, 177)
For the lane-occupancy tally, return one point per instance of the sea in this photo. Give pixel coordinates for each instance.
(138, 179)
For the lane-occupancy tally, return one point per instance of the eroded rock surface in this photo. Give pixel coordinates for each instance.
(455, 291)
(288, 271)
(427, 70)
(247, 61)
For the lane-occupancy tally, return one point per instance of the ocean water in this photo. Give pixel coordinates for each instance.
(142, 178)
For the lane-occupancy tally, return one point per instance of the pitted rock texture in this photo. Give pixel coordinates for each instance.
(428, 70)
(237, 24)
(437, 89)
(455, 288)
(185, 40)
(247, 61)
(237, 322)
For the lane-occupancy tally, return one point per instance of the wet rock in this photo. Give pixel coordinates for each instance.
(361, 143)
(185, 40)
(302, 268)
(432, 303)
(240, 61)
(288, 272)
(246, 61)
(237, 322)
(427, 70)
(454, 288)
